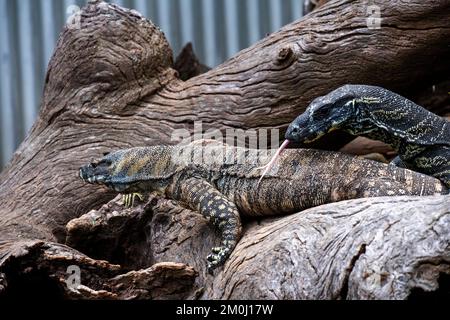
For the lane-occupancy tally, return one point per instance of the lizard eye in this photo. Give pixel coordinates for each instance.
(101, 163)
(322, 113)
(343, 101)
(106, 153)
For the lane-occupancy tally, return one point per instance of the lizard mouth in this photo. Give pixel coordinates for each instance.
(93, 174)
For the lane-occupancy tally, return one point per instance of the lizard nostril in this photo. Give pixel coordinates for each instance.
(294, 129)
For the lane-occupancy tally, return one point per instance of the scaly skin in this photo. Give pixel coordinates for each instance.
(223, 189)
(421, 138)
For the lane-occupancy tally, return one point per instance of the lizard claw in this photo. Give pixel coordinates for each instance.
(217, 258)
(211, 258)
(213, 263)
(216, 250)
(125, 200)
(128, 199)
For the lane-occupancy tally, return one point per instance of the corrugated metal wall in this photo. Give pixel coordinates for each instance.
(29, 30)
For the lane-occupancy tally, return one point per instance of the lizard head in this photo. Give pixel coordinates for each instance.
(143, 169)
(324, 114)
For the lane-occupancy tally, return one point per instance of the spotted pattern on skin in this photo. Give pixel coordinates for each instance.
(421, 138)
(223, 192)
(136, 165)
(200, 195)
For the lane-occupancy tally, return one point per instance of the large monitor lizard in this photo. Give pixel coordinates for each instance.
(421, 138)
(221, 182)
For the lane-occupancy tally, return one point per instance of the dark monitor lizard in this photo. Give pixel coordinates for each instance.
(421, 138)
(221, 182)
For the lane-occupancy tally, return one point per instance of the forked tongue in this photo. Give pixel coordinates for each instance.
(272, 161)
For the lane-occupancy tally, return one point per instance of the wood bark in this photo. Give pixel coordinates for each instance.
(111, 84)
(188, 65)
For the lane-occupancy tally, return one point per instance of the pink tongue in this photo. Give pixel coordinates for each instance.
(274, 158)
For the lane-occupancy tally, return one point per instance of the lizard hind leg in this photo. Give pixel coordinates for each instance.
(201, 196)
(220, 254)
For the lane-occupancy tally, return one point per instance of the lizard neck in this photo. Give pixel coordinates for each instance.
(386, 116)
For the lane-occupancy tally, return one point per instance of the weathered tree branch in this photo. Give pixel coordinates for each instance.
(36, 268)
(111, 84)
(377, 248)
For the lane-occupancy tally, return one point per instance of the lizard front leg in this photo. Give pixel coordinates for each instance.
(200, 195)
(128, 199)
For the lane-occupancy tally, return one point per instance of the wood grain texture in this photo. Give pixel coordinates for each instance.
(373, 248)
(40, 270)
(111, 84)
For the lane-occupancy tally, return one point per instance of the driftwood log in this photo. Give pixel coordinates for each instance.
(112, 84)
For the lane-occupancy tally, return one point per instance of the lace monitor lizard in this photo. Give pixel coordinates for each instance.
(221, 182)
(421, 138)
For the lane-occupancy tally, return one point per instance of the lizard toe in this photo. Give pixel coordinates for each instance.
(218, 257)
(213, 263)
(216, 250)
(212, 258)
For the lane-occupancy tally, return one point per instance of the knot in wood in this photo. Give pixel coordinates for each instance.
(284, 54)
(154, 202)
